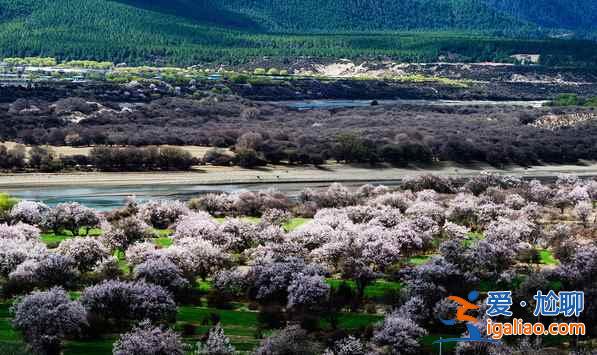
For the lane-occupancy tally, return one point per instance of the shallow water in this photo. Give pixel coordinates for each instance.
(106, 198)
(331, 104)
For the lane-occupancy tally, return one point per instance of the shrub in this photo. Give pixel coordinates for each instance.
(6, 203)
(249, 141)
(218, 157)
(248, 158)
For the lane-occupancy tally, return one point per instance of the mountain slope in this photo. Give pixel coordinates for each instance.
(235, 31)
(576, 15)
(374, 15)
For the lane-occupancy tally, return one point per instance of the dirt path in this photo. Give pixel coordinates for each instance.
(276, 174)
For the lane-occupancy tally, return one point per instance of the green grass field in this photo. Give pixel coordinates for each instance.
(240, 325)
(546, 257)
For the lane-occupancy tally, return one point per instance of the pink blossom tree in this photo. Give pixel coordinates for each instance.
(307, 290)
(162, 214)
(29, 212)
(15, 251)
(19, 231)
(199, 225)
(117, 300)
(46, 318)
(162, 272)
(217, 343)
(149, 339)
(196, 257)
(138, 252)
(124, 232)
(72, 217)
(583, 211)
(86, 252)
(399, 334)
(290, 340)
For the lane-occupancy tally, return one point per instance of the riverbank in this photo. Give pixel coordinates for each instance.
(212, 175)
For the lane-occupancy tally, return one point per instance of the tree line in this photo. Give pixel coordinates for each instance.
(102, 158)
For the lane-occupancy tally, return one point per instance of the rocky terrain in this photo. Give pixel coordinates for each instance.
(348, 80)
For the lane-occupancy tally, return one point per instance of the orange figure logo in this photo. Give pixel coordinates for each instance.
(465, 306)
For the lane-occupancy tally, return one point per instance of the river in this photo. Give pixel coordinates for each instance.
(106, 198)
(332, 104)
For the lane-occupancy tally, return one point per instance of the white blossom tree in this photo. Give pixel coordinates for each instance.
(51, 270)
(138, 252)
(276, 217)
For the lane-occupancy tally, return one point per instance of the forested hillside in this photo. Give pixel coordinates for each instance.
(185, 32)
(376, 15)
(576, 15)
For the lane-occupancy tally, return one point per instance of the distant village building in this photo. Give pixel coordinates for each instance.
(527, 58)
